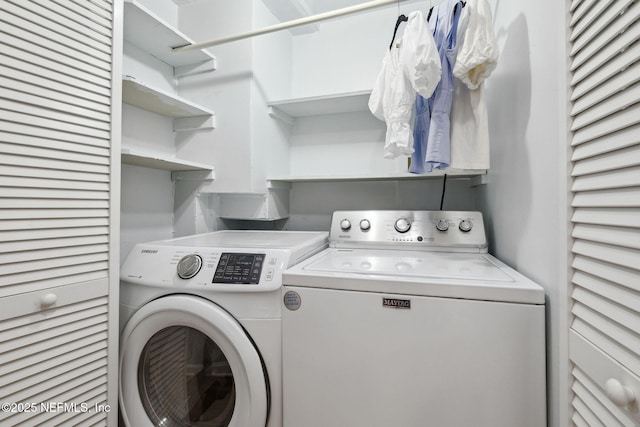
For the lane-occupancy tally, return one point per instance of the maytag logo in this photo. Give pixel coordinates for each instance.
(396, 303)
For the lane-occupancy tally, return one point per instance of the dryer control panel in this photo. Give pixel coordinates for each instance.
(205, 268)
(421, 230)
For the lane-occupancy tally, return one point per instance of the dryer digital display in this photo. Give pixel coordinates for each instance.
(239, 268)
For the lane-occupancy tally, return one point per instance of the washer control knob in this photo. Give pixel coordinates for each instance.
(465, 225)
(365, 225)
(402, 225)
(345, 224)
(442, 225)
(189, 266)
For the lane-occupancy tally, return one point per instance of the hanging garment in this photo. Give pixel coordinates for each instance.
(412, 65)
(432, 124)
(477, 58)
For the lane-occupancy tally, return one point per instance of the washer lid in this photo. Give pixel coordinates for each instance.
(435, 265)
(438, 274)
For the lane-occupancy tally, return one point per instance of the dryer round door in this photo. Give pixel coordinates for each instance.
(185, 362)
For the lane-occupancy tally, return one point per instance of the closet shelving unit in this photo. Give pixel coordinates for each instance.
(289, 110)
(151, 34)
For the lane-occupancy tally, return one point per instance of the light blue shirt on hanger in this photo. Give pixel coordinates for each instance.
(431, 132)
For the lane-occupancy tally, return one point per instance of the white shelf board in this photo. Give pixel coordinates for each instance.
(388, 177)
(328, 104)
(152, 34)
(150, 160)
(138, 93)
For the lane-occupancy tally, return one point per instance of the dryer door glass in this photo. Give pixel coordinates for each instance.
(185, 379)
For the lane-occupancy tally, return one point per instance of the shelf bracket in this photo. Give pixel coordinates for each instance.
(280, 115)
(185, 124)
(193, 69)
(202, 176)
(478, 180)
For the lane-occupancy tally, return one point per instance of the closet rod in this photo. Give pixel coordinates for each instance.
(289, 24)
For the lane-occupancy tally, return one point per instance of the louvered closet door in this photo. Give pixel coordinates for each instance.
(604, 338)
(58, 165)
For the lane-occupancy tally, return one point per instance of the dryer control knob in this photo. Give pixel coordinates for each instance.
(345, 224)
(189, 266)
(465, 225)
(402, 225)
(365, 225)
(442, 225)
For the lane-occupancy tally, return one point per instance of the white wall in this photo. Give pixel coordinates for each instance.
(146, 207)
(313, 203)
(272, 74)
(227, 90)
(525, 199)
(346, 54)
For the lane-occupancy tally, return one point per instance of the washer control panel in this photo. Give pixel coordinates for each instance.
(440, 230)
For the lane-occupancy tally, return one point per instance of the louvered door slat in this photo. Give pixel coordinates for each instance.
(578, 3)
(601, 129)
(618, 236)
(21, 66)
(64, 109)
(11, 373)
(616, 255)
(616, 320)
(56, 148)
(29, 113)
(64, 393)
(17, 257)
(609, 290)
(630, 177)
(41, 84)
(609, 414)
(58, 17)
(579, 13)
(609, 86)
(34, 151)
(600, 58)
(610, 25)
(624, 138)
(618, 159)
(44, 163)
(612, 198)
(617, 65)
(587, 400)
(620, 217)
(41, 279)
(19, 171)
(62, 184)
(47, 39)
(627, 99)
(53, 134)
(53, 213)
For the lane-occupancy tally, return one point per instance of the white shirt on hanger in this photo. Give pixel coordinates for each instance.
(411, 66)
(477, 58)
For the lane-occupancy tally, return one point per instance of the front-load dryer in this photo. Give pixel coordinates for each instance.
(201, 328)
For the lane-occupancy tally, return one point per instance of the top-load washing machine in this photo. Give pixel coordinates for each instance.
(201, 328)
(406, 320)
